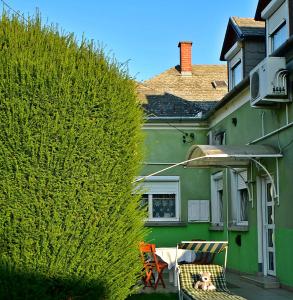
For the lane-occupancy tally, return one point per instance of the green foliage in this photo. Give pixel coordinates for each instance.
(70, 147)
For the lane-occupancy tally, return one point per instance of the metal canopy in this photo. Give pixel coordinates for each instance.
(228, 155)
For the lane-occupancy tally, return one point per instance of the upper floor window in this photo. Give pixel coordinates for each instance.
(235, 64)
(279, 36)
(236, 73)
(276, 16)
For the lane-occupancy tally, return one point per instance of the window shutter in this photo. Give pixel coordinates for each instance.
(277, 18)
(219, 184)
(210, 138)
(241, 180)
(198, 211)
(216, 185)
(160, 187)
(205, 210)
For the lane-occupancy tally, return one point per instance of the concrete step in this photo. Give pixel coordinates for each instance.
(266, 282)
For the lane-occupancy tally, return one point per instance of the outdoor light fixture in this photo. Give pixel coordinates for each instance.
(188, 137)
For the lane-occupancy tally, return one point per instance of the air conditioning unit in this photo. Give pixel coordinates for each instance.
(268, 82)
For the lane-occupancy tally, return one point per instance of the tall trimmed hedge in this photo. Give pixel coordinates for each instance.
(70, 146)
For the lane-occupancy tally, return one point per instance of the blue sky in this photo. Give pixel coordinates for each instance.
(145, 33)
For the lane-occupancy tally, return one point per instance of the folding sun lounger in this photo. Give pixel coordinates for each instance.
(187, 274)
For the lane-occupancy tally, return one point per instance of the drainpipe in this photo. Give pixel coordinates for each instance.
(262, 124)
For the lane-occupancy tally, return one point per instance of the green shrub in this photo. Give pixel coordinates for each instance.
(70, 147)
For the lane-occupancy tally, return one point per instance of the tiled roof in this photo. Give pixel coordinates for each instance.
(170, 94)
(249, 27)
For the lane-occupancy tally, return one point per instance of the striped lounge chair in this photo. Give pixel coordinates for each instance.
(187, 273)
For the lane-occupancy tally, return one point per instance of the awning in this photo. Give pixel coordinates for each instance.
(228, 155)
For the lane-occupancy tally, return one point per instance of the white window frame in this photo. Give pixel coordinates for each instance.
(238, 183)
(217, 184)
(161, 185)
(237, 65)
(276, 14)
(234, 57)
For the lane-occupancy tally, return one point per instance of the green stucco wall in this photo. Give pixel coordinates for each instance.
(166, 146)
(170, 236)
(284, 245)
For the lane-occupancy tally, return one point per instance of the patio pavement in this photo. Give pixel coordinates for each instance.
(238, 286)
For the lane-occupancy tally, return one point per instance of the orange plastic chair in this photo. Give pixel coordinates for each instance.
(151, 266)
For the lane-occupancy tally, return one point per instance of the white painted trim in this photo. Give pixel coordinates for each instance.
(264, 238)
(259, 221)
(265, 180)
(278, 182)
(229, 108)
(175, 126)
(233, 50)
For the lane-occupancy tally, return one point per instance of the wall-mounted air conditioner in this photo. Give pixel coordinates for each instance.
(268, 82)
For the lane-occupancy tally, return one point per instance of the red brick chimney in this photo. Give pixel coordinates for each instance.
(185, 58)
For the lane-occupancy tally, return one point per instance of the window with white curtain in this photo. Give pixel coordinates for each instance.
(239, 197)
(161, 198)
(217, 204)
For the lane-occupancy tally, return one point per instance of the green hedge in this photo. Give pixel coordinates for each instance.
(70, 147)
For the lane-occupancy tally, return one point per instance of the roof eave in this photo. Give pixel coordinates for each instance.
(231, 24)
(260, 7)
(229, 96)
(175, 119)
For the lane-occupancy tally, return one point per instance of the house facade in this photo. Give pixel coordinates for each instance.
(258, 110)
(175, 103)
(236, 185)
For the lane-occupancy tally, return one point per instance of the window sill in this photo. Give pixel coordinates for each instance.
(242, 228)
(216, 228)
(164, 224)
